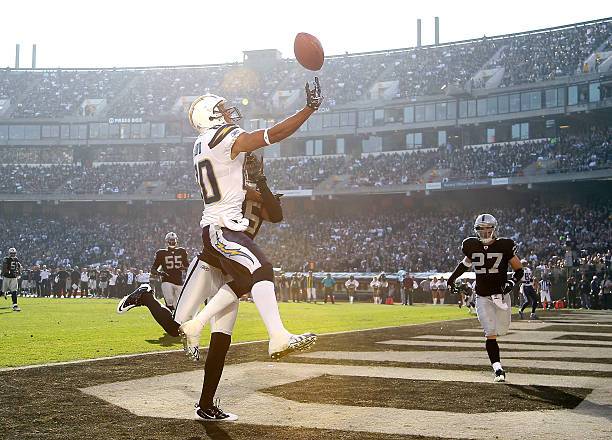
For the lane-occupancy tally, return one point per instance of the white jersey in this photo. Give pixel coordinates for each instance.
(351, 285)
(527, 277)
(221, 179)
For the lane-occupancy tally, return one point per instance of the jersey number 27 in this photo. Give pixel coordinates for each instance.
(479, 261)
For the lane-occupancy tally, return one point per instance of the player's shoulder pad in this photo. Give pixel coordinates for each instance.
(220, 134)
(507, 243)
(469, 243)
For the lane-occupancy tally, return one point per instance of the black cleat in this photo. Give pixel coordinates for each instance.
(500, 376)
(214, 414)
(134, 299)
(521, 314)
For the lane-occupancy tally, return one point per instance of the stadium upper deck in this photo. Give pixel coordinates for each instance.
(488, 62)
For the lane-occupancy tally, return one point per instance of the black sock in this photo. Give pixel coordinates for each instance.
(161, 314)
(492, 350)
(215, 360)
(14, 297)
(534, 306)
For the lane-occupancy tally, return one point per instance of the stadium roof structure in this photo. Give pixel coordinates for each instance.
(354, 54)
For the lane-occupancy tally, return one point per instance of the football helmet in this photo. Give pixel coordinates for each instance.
(485, 228)
(208, 111)
(13, 252)
(171, 239)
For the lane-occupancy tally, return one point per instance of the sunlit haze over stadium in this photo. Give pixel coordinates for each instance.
(322, 220)
(115, 33)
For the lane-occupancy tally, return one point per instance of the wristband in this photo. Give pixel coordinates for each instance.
(266, 138)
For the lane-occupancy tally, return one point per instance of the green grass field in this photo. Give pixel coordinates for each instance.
(54, 330)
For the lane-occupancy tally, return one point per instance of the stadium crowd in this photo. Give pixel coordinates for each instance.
(372, 241)
(418, 71)
(568, 153)
(550, 54)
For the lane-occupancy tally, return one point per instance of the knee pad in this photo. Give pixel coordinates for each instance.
(264, 273)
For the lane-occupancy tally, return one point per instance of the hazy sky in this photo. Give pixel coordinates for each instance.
(110, 33)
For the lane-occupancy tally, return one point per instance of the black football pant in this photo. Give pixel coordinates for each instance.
(531, 297)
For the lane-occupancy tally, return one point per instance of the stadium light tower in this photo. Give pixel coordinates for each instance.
(17, 50)
(34, 56)
(437, 25)
(418, 32)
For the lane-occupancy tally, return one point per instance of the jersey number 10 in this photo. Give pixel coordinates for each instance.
(209, 188)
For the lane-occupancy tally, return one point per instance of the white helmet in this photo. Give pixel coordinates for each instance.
(485, 227)
(12, 252)
(208, 111)
(171, 239)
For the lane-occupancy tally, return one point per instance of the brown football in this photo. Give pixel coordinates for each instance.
(308, 51)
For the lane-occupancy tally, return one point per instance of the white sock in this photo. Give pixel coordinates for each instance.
(217, 303)
(265, 301)
(441, 300)
(496, 366)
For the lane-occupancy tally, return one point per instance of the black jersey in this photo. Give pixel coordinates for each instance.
(490, 263)
(172, 261)
(11, 267)
(104, 276)
(252, 211)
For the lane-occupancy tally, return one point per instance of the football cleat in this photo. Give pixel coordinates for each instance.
(16, 308)
(190, 335)
(214, 414)
(500, 376)
(521, 314)
(292, 343)
(134, 299)
(533, 316)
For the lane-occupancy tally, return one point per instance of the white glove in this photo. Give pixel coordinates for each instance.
(233, 224)
(498, 300)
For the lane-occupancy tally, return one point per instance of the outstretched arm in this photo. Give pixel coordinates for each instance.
(272, 209)
(251, 141)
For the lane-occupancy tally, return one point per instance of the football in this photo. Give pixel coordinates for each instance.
(308, 51)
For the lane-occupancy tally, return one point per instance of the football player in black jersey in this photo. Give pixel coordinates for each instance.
(173, 262)
(11, 269)
(489, 257)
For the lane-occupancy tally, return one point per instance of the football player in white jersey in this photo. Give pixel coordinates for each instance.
(528, 291)
(218, 157)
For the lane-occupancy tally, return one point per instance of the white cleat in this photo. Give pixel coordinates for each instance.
(282, 346)
(500, 376)
(190, 334)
